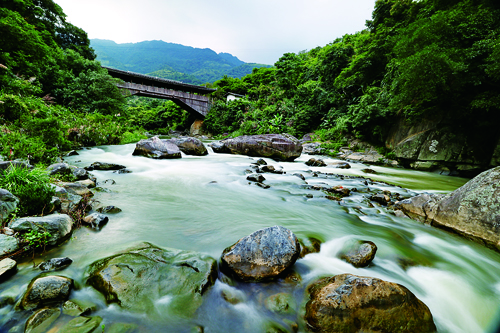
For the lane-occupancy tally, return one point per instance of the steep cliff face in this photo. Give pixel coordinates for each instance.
(433, 144)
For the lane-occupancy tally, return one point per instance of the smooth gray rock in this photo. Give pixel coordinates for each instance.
(81, 325)
(157, 149)
(472, 211)
(59, 169)
(8, 267)
(109, 210)
(8, 244)
(8, 204)
(256, 177)
(103, 166)
(190, 146)
(281, 147)
(4, 165)
(96, 220)
(76, 307)
(46, 290)
(55, 264)
(41, 320)
(360, 254)
(261, 256)
(76, 188)
(58, 225)
(316, 162)
(140, 278)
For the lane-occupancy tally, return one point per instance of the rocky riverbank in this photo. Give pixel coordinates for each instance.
(138, 279)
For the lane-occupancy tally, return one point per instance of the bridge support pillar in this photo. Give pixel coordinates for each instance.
(196, 127)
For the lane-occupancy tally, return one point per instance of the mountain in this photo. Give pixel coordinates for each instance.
(171, 61)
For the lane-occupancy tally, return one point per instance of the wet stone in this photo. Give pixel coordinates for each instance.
(55, 264)
(316, 162)
(109, 210)
(261, 256)
(41, 320)
(360, 254)
(264, 186)
(255, 177)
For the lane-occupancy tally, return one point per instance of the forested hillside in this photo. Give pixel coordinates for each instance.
(417, 61)
(171, 61)
(54, 96)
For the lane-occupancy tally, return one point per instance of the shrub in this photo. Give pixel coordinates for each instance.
(32, 187)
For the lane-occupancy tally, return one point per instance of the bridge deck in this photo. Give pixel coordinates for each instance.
(188, 96)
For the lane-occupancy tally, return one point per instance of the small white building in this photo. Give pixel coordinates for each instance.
(232, 96)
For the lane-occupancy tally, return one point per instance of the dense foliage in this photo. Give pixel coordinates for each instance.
(171, 61)
(32, 187)
(429, 59)
(54, 96)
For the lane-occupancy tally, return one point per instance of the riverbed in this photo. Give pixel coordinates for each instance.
(205, 204)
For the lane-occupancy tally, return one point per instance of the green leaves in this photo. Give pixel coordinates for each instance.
(32, 187)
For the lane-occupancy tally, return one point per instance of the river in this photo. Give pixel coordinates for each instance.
(205, 204)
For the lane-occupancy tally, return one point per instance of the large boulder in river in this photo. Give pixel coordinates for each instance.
(154, 281)
(472, 211)
(59, 226)
(8, 244)
(46, 290)
(189, 146)
(156, 148)
(281, 147)
(350, 303)
(261, 256)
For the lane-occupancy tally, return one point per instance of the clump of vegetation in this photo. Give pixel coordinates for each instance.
(36, 238)
(417, 60)
(32, 187)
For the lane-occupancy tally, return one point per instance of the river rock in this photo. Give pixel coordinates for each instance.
(256, 177)
(360, 254)
(261, 256)
(472, 211)
(8, 267)
(146, 278)
(350, 303)
(340, 165)
(55, 264)
(190, 146)
(281, 147)
(313, 148)
(103, 166)
(281, 303)
(8, 244)
(381, 198)
(41, 320)
(59, 226)
(8, 204)
(59, 169)
(80, 173)
(309, 245)
(156, 148)
(109, 210)
(76, 188)
(81, 325)
(46, 290)
(316, 162)
(4, 165)
(96, 220)
(75, 307)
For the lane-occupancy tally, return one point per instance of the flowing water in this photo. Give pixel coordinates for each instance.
(205, 204)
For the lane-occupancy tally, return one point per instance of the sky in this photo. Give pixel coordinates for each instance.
(257, 31)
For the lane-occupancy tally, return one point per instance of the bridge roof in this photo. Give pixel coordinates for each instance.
(157, 82)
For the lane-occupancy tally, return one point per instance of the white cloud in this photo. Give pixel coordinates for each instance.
(254, 31)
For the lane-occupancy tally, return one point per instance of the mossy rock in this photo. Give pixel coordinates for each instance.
(152, 280)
